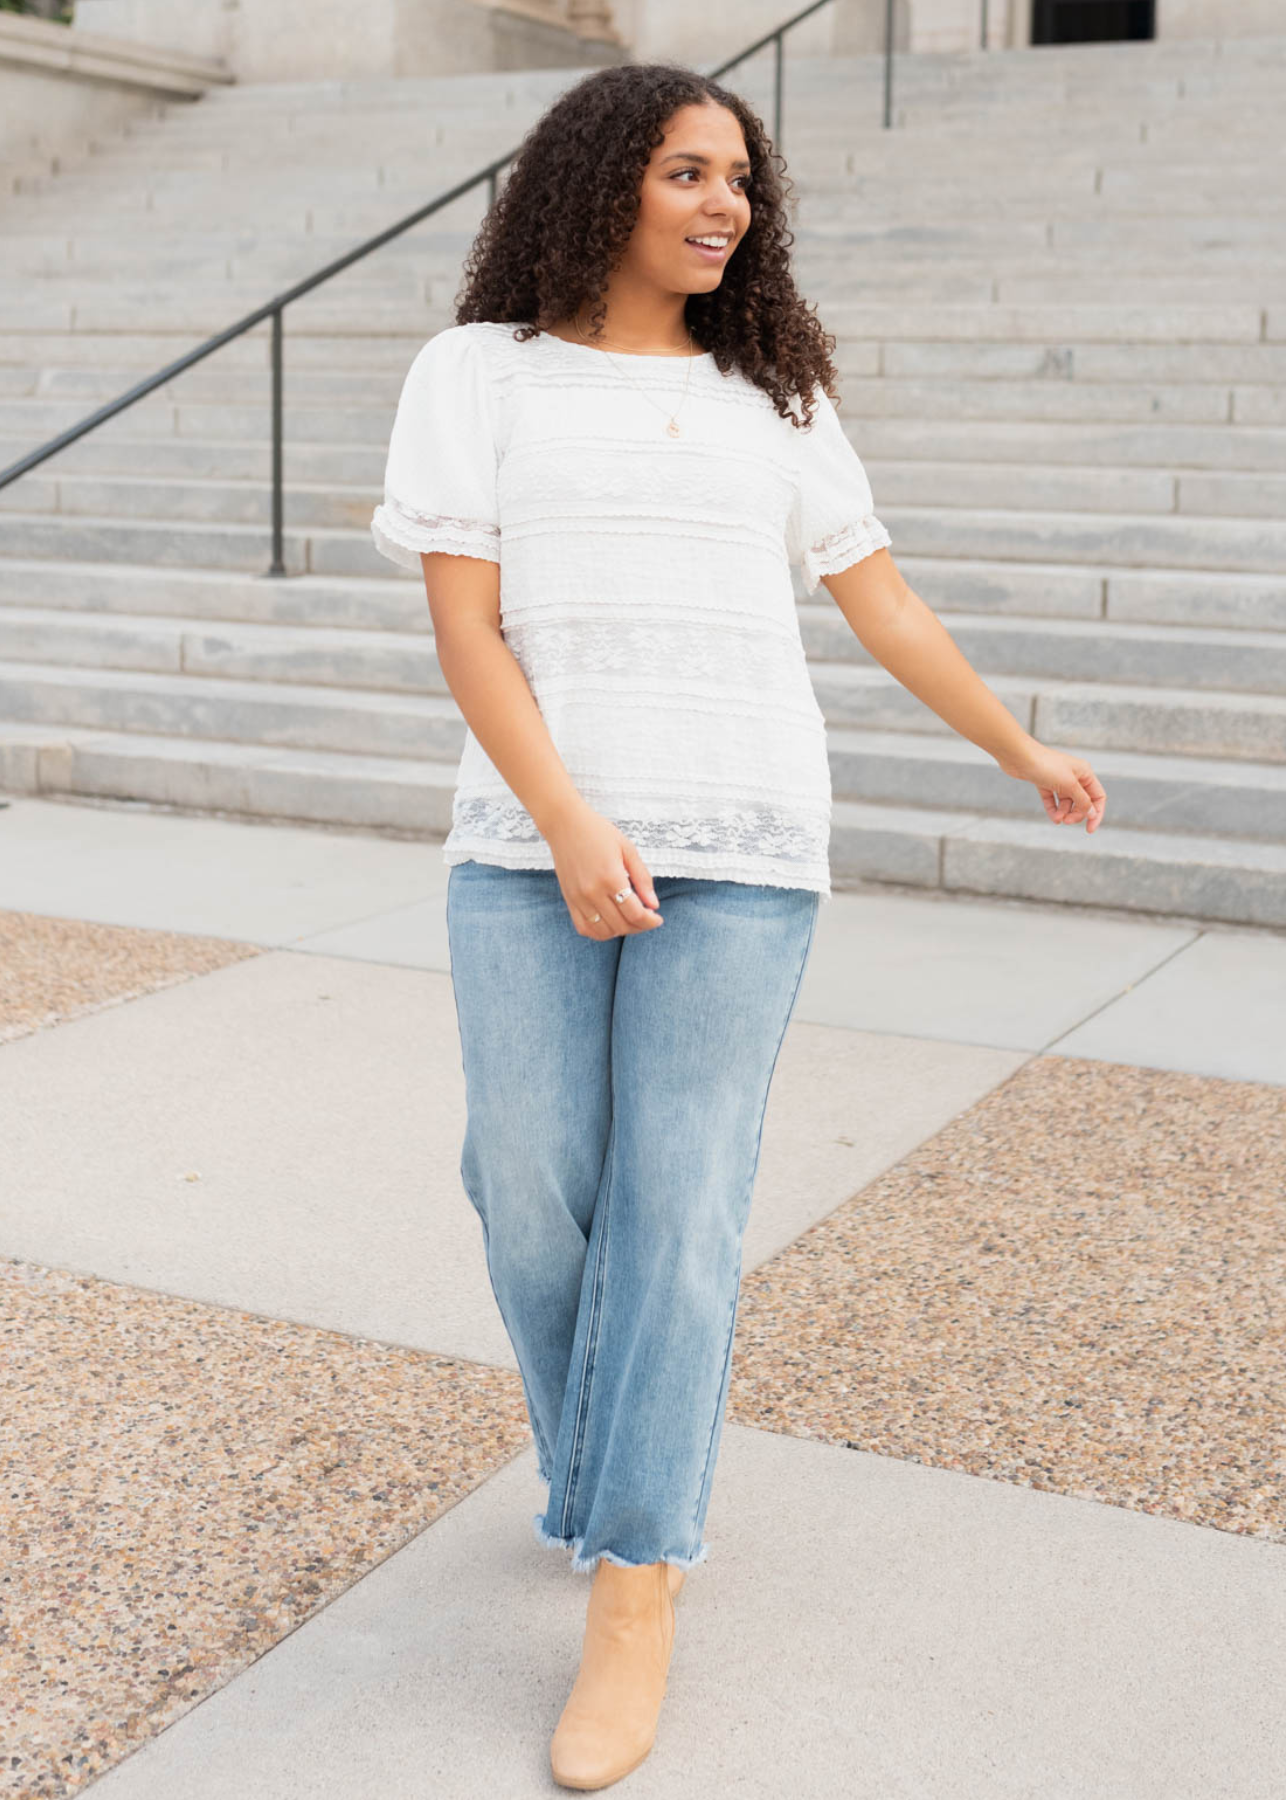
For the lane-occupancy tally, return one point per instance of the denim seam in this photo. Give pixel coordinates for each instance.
(591, 1335)
(736, 1291)
(542, 1455)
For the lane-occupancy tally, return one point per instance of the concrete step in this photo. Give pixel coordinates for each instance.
(1205, 795)
(839, 193)
(895, 309)
(1043, 281)
(1085, 715)
(1038, 589)
(264, 683)
(243, 280)
(172, 542)
(129, 355)
(993, 589)
(1142, 871)
(1167, 445)
(849, 220)
(1104, 118)
(1038, 401)
(847, 150)
(32, 421)
(208, 380)
(132, 355)
(1186, 874)
(328, 219)
(835, 113)
(1073, 488)
(1241, 798)
(1024, 594)
(156, 494)
(1170, 720)
(1080, 650)
(64, 369)
(1243, 455)
(355, 721)
(312, 629)
(305, 654)
(408, 795)
(415, 142)
(105, 305)
(1062, 280)
(1055, 359)
(1141, 540)
(934, 406)
(211, 595)
(155, 499)
(191, 316)
(1229, 367)
(99, 453)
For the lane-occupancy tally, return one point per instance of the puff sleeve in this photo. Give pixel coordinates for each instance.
(833, 521)
(440, 477)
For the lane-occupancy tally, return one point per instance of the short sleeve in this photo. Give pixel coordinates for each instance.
(833, 522)
(440, 477)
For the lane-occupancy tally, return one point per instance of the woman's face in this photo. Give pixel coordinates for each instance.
(696, 185)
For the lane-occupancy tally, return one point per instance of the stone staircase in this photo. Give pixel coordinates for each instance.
(1059, 294)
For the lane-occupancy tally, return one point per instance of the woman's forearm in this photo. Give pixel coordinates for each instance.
(912, 643)
(488, 685)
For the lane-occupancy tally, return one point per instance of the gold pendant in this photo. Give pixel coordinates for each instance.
(673, 428)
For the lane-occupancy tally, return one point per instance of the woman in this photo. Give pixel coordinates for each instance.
(604, 470)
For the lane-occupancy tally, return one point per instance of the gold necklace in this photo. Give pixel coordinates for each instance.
(672, 424)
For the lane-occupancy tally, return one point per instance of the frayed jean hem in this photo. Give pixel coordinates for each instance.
(582, 1563)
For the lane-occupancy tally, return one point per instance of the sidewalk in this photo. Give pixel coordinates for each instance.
(1000, 1508)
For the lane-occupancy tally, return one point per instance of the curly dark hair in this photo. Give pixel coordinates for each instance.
(563, 217)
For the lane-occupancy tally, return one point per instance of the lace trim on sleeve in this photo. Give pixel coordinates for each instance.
(841, 548)
(401, 534)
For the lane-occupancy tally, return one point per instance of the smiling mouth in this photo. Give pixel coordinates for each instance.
(719, 249)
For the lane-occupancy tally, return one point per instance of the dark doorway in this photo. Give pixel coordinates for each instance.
(1091, 21)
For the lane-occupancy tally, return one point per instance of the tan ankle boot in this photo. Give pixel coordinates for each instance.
(609, 1722)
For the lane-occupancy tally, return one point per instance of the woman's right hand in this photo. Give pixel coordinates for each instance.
(593, 860)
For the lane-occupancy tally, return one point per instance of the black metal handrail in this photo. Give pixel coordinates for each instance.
(275, 307)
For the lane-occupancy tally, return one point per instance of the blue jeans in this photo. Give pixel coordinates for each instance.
(616, 1091)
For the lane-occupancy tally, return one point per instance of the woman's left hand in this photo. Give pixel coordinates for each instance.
(1068, 787)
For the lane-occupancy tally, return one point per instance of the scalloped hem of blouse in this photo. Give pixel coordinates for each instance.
(851, 546)
(582, 1564)
(403, 545)
(493, 853)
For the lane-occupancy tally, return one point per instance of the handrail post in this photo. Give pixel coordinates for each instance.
(888, 64)
(278, 564)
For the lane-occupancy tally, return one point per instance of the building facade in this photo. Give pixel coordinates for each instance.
(300, 40)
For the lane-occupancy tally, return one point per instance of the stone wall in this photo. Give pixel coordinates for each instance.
(322, 40)
(301, 40)
(60, 87)
(1221, 18)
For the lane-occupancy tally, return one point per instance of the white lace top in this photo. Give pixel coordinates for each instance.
(645, 588)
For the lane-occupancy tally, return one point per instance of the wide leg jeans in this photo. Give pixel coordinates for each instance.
(615, 1096)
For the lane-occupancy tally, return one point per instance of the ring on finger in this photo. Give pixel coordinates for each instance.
(624, 894)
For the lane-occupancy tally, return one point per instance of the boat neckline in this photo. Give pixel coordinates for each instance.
(629, 355)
